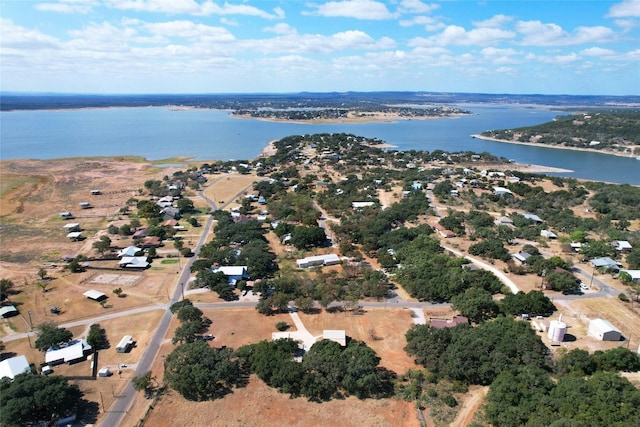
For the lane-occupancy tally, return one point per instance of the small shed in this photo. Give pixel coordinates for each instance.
(96, 192)
(95, 295)
(72, 226)
(65, 214)
(75, 235)
(84, 205)
(14, 366)
(8, 311)
(603, 330)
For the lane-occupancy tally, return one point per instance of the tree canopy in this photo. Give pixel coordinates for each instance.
(49, 335)
(200, 372)
(31, 398)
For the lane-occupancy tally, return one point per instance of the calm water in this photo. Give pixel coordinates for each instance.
(158, 133)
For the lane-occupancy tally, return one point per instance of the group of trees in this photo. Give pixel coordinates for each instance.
(327, 370)
(193, 323)
(587, 390)
(476, 355)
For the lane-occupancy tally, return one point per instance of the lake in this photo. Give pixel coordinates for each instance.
(160, 133)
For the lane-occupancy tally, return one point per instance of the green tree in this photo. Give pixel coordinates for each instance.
(576, 361)
(199, 372)
(145, 382)
(97, 337)
(562, 281)
(102, 245)
(476, 304)
(6, 286)
(307, 237)
(30, 399)
(188, 331)
(49, 334)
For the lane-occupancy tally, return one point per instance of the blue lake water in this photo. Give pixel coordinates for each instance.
(159, 133)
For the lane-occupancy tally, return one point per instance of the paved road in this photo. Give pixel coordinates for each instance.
(119, 409)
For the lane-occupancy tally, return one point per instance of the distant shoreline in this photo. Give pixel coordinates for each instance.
(558, 147)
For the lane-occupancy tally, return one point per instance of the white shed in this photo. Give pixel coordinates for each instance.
(603, 330)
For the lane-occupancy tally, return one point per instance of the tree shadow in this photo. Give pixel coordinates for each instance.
(88, 411)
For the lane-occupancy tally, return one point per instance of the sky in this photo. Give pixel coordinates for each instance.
(205, 46)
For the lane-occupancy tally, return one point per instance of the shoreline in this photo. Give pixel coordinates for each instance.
(555, 147)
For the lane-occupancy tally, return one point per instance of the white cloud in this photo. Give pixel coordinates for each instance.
(281, 28)
(68, 6)
(496, 21)
(625, 9)
(416, 6)
(192, 7)
(455, 35)
(429, 23)
(16, 36)
(597, 51)
(189, 29)
(358, 9)
(536, 33)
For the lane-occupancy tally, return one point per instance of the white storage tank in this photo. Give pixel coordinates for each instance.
(557, 329)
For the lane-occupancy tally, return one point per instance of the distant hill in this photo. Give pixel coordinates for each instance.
(597, 130)
(43, 101)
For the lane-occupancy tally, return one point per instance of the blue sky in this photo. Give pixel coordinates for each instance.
(207, 46)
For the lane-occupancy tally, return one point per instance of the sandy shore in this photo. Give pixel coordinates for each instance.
(559, 147)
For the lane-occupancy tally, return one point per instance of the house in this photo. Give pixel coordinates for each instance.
(170, 212)
(133, 262)
(521, 256)
(150, 242)
(170, 223)
(548, 234)
(447, 234)
(575, 246)
(621, 245)
(70, 352)
(8, 311)
(129, 251)
(635, 274)
(532, 217)
(444, 323)
(75, 236)
(84, 205)
(125, 344)
(234, 273)
(335, 335)
(140, 232)
(14, 366)
(262, 200)
(501, 191)
(95, 295)
(318, 260)
(605, 262)
(361, 205)
(504, 220)
(417, 185)
(602, 330)
(72, 226)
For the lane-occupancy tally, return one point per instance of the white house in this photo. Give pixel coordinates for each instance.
(234, 273)
(635, 274)
(318, 260)
(14, 366)
(133, 262)
(336, 335)
(70, 352)
(622, 245)
(532, 217)
(602, 330)
(125, 344)
(360, 205)
(501, 191)
(548, 234)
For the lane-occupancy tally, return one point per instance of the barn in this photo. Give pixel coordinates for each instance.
(603, 330)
